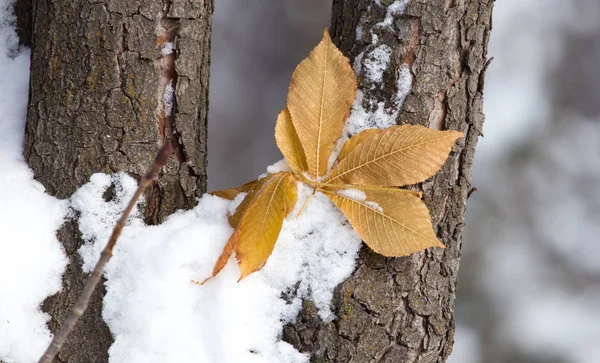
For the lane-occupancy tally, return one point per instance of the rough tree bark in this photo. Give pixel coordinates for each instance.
(94, 107)
(402, 309)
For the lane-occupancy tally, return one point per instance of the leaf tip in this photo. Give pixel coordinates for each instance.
(201, 282)
(245, 272)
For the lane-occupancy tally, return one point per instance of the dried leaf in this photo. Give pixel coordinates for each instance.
(320, 96)
(251, 188)
(231, 193)
(401, 155)
(289, 143)
(260, 225)
(393, 222)
(258, 221)
(234, 219)
(355, 140)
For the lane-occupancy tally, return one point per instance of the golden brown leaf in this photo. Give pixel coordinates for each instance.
(258, 221)
(393, 222)
(401, 155)
(250, 188)
(259, 227)
(231, 193)
(320, 96)
(289, 143)
(355, 140)
(234, 219)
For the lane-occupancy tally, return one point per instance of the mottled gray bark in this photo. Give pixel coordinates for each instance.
(94, 95)
(402, 309)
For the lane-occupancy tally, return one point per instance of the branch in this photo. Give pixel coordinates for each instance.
(82, 302)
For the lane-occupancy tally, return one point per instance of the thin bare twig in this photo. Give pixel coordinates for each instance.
(82, 302)
(471, 192)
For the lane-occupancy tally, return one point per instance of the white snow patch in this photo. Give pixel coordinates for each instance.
(354, 194)
(382, 117)
(403, 86)
(359, 196)
(236, 202)
(31, 258)
(377, 62)
(398, 7)
(278, 167)
(168, 98)
(359, 32)
(374, 205)
(157, 315)
(97, 220)
(167, 48)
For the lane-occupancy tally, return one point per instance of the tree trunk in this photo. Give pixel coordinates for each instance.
(95, 106)
(402, 309)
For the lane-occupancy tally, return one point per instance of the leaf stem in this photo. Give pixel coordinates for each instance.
(308, 200)
(84, 298)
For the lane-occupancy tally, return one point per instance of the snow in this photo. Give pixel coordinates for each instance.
(167, 98)
(376, 63)
(398, 7)
(354, 194)
(157, 314)
(31, 258)
(374, 205)
(167, 48)
(278, 167)
(372, 64)
(359, 196)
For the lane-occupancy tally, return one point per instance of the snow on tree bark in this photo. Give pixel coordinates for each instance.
(92, 108)
(402, 309)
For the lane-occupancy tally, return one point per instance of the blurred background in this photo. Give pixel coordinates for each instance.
(529, 285)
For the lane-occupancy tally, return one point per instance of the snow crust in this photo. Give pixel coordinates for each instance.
(31, 258)
(157, 314)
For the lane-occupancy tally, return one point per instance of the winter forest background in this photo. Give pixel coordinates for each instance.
(529, 280)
